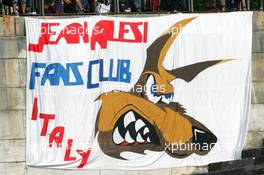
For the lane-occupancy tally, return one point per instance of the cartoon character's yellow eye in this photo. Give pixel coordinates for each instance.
(151, 90)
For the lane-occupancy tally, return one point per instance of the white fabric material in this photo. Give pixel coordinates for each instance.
(219, 97)
(102, 8)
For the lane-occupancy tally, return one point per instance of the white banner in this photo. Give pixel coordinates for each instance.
(137, 93)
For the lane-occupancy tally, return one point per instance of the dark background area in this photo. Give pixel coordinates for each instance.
(201, 5)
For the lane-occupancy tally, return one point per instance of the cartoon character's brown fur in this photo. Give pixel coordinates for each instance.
(168, 123)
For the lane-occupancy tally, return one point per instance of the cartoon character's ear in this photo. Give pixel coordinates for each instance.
(188, 73)
(157, 51)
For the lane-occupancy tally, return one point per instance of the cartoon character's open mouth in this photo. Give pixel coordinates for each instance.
(133, 129)
(149, 120)
(126, 126)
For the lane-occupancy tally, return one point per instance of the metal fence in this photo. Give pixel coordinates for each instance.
(38, 6)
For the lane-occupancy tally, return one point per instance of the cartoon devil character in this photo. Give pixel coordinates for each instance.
(135, 122)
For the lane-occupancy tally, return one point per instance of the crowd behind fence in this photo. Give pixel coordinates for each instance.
(64, 7)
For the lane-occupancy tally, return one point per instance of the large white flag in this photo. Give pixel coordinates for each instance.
(137, 93)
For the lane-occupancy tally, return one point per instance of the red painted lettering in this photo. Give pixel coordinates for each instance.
(46, 118)
(35, 109)
(67, 156)
(56, 136)
(85, 157)
(102, 32)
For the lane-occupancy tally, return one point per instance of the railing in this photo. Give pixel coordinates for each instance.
(38, 6)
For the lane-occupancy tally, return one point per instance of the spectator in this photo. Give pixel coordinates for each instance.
(29, 6)
(261, 4)
(86, 5)
(183, 5)
(23, 6)
(147, 5)
(155, 5)
(58, 6)
(172, 5)
(79, 5)
(0, 7)
(136, 5)
(176, 5)
(70, 6)
(232, 4)
(213, 5)
(103, 6)
(124, 6)
(6, 6)
(242, 5)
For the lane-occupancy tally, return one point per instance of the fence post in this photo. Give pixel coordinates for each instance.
(115, 9)
(190, 5)
(42, 8)
(117, 6)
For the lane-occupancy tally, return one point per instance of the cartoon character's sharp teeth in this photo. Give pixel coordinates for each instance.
(128, 138)
(129, 117)
(117, 138)
(148, 140)
(146, 130)
(139, 124)
(139, 138)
